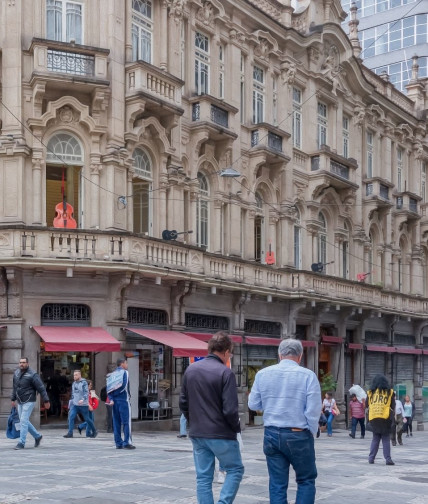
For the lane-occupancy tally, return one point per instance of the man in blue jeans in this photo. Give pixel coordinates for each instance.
(290, 398)
(79, 404)
(209, 401)
(26, 384)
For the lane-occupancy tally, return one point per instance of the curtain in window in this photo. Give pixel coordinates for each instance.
(74, 22)
(54, 20)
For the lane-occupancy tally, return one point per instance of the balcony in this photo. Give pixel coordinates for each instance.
(82, 65)
(158, 91)
(214, 115)
(269, 140)
(377, 194)
(100, 252)
(328, 169)
(406, 206)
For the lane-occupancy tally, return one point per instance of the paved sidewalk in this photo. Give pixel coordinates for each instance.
(160, 471)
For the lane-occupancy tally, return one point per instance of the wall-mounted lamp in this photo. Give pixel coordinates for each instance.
(360, 311)
(158, 280)
(269, 298)
(69, 273)
(313, 304)
(338, 307)
(213, 290)
(379, 314)
(409, 319)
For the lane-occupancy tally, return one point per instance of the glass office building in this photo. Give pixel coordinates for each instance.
(391, 32)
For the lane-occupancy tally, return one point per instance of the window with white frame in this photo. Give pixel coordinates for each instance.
(297, 118)
(221, 72)
(369, 154)
(345, 136)
(141, 192)
(64, 21)
(242, 90)
(423, 181)
(322, 124)
(142, 30)
(399, 169)
(258, 94)
(202, 212)
(322, 240)
(297, 242)
(202, 63)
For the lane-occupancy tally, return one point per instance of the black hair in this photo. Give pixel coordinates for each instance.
(120, 361)
(379, 382)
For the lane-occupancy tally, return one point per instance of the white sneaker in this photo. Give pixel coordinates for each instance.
(220, 477)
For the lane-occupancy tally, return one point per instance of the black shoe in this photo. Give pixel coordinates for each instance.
(119, 447)
(318, 433)
(129, 447)
(37, 441)
(19, 446)
(371, 461)
(68, 435)
(389, 462)
(411, 435)
(94, 434)
(394, 444)
(361, 437)
(352, 436)
(80, 430)
(400, 443)
(182, 436)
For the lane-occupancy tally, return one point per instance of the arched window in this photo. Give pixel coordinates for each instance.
(64, 161)
(202, 212)
(322, 240)
(259, 232)
(297, 242)
(141, 191)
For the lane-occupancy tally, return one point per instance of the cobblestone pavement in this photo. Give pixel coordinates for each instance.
(160, 471)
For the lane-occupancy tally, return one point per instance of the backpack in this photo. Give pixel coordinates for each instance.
(103, 394)
(114, 380)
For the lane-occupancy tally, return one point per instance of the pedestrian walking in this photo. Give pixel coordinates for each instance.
(409, 413)
(381, 408)
(93, 403)
(397, 423)
(25, 385)
(79, 404)
(290, 398)
(209, 401)
(121, 400)
(358, 413)
(330, 410)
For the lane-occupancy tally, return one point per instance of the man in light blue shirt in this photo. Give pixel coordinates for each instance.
(290, 398)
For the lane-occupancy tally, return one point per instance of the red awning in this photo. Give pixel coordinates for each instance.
(425, 352)
(416, 351)
(331, 339)
(3, 327)
(374, 348)
(261, 341)
(306, 343)
(207, 336)
(77, 339)
(355, 346)
(182, 345)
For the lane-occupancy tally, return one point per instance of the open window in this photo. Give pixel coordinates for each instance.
(141, 191)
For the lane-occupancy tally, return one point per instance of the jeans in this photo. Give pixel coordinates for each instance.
(330, 418)
(183, 425)
(84, 425)
(205, 452)
(374, 447)
(355, 422)
(284, 447)
(24, 412)
(84, 411)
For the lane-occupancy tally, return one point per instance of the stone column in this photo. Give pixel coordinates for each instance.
(163, 46)
(95, 195)
(37, 192)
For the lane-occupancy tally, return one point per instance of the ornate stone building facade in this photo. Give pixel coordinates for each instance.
(136, 113)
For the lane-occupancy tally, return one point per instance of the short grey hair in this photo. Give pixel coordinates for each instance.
(290, 348)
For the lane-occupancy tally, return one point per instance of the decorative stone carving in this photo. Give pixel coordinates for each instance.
(359, 116)
(313, 54)
(66, 115)
(288, 74)
(419, 150)
(176, 9)
(236, 36)
(262, 50)
(206, 14)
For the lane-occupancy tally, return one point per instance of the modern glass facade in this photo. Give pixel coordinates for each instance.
(391, 32)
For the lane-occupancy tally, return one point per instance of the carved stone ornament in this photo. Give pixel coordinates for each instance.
(288, 74)
(206, 14)
(313, 54)
(359, 116)
(176, 9)
(262, 50)
(66, 115)
(95, 168)
(236, 36)
(419, 150)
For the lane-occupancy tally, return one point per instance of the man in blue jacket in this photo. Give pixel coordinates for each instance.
(209, 401)
(120, 398)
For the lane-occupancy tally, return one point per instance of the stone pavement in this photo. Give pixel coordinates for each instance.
(160, 471)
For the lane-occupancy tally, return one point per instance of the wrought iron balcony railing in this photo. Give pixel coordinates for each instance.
(71, 63)
(219, 116)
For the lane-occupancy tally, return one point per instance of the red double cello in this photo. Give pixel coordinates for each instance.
(64, 212)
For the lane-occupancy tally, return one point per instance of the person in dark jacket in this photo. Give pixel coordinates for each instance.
(381, 408)
(209, 401)
(26, 384)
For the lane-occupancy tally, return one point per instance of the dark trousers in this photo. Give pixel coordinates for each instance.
(355, 422)
(408, 425)
(386, 446)
(122, 419)
(109, 410)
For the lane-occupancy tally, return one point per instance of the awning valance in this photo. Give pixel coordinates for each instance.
(374, 348)
(207, 336)
(3, 327)
(332, 340)
(306, 343)
(415, 351)
(77, 339)
(355, 346)
(182, 345)
(261, 341)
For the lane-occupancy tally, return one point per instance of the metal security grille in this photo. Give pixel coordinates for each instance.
(374, 364)
(262, 327)
(258, 354)
(78, 315)
(404, 367)
(376, 337)
(404, 339)
(206, 322)
(425, 363)
(145, 316)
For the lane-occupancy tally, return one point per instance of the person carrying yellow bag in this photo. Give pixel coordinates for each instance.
(381, 407)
